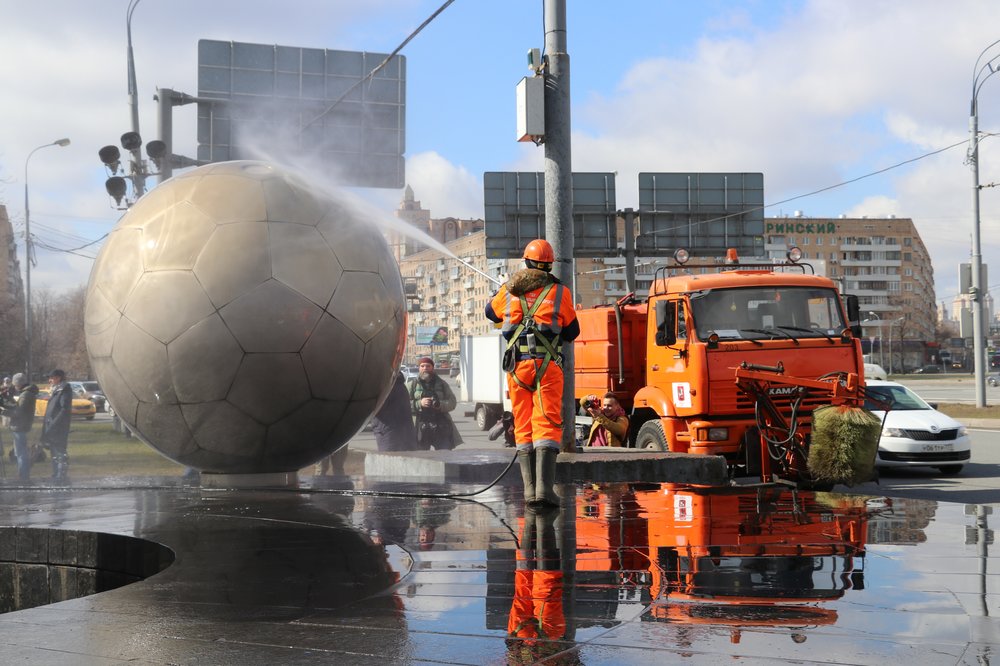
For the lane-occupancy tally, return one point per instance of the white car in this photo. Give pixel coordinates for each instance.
(915, 434)
(875, 371)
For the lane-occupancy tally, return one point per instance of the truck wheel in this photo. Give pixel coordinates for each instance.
(485, 417)
(651, 436)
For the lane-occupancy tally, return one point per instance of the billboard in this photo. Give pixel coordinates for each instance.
(431, 335)
(305, 103)
(705, 213)
(515, 212)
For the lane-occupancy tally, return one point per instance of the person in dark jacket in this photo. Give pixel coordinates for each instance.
(22, 416)
(392, 424)
(55, 427)
(430, 401)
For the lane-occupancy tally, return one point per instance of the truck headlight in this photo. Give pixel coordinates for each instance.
(718, 434)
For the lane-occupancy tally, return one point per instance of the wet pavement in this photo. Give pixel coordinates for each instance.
(382, 571)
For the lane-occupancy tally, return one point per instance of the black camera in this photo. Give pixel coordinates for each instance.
(592, 404)
(435, 403)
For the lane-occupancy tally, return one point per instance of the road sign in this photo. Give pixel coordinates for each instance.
(705, 213)
(515, 213)
(312, 104)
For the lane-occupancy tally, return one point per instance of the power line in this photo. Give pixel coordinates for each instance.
(379, 67)
(812, 193)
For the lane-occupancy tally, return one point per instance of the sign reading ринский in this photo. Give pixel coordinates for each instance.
(800, 227)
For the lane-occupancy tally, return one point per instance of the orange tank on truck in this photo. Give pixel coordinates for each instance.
(675, 360)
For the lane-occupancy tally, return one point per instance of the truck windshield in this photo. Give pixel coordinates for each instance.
(772, 312)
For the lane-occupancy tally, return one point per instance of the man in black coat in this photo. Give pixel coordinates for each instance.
(21, 412)
(55, 427)
(392, 424)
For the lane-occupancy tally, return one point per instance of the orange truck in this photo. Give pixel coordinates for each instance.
(730, 362)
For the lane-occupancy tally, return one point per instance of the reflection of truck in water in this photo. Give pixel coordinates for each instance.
(674, 359)
(762, 556)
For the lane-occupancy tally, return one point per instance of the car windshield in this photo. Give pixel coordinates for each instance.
(91, 386)
(772, 312)
(899, 398)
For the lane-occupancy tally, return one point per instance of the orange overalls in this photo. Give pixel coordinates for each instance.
(536, 400)
(536, 615)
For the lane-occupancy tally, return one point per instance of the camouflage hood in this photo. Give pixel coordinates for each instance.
(528, 279)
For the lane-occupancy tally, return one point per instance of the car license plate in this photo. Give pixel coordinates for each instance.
(936, 447)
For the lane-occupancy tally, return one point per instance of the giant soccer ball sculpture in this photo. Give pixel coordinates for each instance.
(241, 321)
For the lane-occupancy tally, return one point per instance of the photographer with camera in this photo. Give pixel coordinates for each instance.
(430, 401)
(610, 423)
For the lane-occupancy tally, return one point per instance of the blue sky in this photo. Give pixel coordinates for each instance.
(811, 93)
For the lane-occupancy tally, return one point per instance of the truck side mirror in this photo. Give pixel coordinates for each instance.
(666, 323)
(854, 315)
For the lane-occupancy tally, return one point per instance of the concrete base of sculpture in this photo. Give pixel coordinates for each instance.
(264, 480)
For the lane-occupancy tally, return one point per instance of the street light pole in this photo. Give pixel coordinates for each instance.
(138, 178)
(881, 354)
(978, 350)
(27, 258)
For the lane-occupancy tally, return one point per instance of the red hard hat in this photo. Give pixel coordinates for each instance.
(539, 250)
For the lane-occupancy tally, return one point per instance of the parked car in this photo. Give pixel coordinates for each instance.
(914, 433)
(928, 370)
(82, 407)
(92, 390)
(875, 371)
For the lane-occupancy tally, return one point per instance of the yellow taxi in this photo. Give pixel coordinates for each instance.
(82, 407)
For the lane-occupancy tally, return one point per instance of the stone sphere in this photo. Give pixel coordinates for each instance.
(243, 321)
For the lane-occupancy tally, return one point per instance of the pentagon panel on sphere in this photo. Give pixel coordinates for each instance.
(227, 329)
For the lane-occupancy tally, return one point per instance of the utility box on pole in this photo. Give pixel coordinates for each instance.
(531, 109)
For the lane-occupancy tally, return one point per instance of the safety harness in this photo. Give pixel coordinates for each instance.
(527, 337)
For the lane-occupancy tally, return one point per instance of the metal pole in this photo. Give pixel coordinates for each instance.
(27, 259)
(559, 181)
(977, 262)
(138, 172)
(165, 120)
(890, 347)
(629, 251)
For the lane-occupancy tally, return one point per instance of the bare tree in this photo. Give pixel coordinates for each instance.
(57, 332)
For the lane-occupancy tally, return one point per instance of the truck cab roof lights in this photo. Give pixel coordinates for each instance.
(681, 256)
(794, 254)
(731, 256)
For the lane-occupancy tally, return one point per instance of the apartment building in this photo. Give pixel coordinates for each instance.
(11, 286)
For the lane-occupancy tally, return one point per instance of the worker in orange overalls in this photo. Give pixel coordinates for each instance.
(537, 621)
(538, 316)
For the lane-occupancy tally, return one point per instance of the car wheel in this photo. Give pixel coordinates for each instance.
(651, 436)
(484, 417)
(90, 417)
(950, 470)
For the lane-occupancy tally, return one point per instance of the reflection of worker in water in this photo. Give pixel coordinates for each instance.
(537, 621)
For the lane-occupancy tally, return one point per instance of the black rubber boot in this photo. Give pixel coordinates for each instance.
(545, 476)
(547, 543)
(527, 461)
(528, 543)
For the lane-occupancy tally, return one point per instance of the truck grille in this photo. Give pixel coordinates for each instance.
(784, 403)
